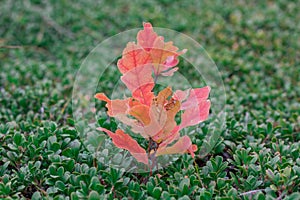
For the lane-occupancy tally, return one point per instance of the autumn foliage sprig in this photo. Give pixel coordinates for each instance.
(153, 116)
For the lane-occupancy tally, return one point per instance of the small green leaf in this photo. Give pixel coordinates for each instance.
(18, 139)
(94, 195)
(273, 187)
(60, 185)
(270, 174)
(287, 172)
(165, 195)
(36, 196)
(260, 196)
(74, 196)
(185, 197)
(184, 185)
(117, 159)
(156, 192)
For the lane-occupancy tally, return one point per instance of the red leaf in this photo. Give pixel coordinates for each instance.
(196, 96)
(195, 105)
(140, 82)
(172, 136)
(124, 141)
(163, 54)
(181, 95)
(146, 114)
(133, 56)
(195, 115)
(193, 148)
(146, 37)
(161, 114)
(170, 72)
(183, 145)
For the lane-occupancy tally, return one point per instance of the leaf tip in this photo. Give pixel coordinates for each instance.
(147, 25)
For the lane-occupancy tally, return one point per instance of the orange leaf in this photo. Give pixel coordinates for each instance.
(161, 113)
(141, 113)
(157, 121)
(115, 107)
(119, 108)
(170, 107)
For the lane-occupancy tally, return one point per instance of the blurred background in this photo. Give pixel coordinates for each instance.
(255, 45)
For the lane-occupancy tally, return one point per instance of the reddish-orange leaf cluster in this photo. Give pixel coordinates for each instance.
(152, 116)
